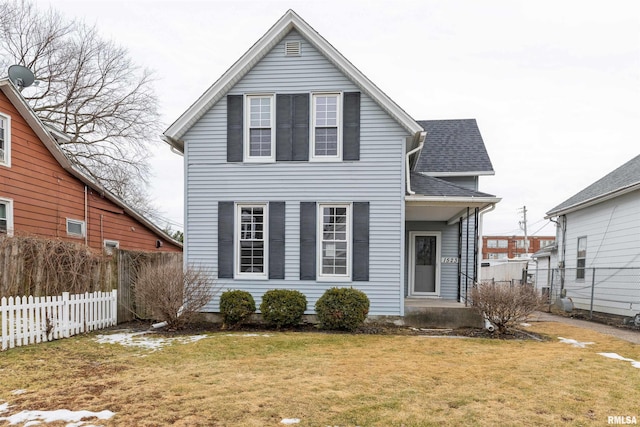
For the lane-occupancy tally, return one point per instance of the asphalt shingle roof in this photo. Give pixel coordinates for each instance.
(431, 186)
(625, 176)
(453, 146)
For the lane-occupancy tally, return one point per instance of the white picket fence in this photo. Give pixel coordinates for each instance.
(29, 320)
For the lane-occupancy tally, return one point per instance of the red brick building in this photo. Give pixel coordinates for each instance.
(505, 247)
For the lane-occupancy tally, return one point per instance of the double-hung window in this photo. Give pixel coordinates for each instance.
(260, 128)
(326, 127)
(5, 140)
(334, 235)
(581, 260)
(251, 240)
(6, 217)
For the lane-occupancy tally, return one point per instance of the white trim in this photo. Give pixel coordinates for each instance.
(80, 222)
(290, 20)
(247, 157)
(321, 277)
(454, 174)
(6, 159)
(593, 201)
(412, 261)
(264, 275)
(9, 207)
(338, 156)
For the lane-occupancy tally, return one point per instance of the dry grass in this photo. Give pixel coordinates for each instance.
(332, 379)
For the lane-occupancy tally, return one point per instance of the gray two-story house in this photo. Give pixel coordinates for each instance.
(300, 173)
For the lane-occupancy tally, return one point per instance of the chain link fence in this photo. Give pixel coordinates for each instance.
(610, 290)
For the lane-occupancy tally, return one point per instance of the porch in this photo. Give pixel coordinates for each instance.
(439, 313)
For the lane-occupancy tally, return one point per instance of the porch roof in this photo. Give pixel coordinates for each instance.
(438, 200)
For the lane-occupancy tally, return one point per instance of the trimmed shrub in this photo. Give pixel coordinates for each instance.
(283, 307)
(236, 306)
(342, 309)
(504, 305)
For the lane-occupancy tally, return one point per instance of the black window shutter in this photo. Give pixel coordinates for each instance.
(276, 240)
(360, 245)
(225, 239)
(307, 241)
(351, 126)
(284, 127)
(301, 127)
(235, 115)
(292, 127)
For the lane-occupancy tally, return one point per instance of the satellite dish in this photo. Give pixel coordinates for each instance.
(21, 76)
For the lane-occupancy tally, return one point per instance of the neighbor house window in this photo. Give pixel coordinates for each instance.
(260, 134)
(251, 240)
(5, 140)
(6, 217)
(326, 138)
(75, 228)
(333, 241)
(581, 258)
(110, 245)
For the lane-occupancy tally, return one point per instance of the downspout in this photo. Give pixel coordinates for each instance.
(86, 218)
(421, 136)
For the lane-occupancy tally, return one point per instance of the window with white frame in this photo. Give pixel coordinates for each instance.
(5, 140)
(260, 124)
(251, 240)
(326, 138)
(6, 217)
(492, 243)
(545, 243)
(503, 243)
(75, 228)
(110, 245)
(581, 260)
(334, 237)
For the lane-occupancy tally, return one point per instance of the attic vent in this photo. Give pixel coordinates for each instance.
(292, 48)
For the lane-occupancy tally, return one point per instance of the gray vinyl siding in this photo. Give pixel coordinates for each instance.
(468, 182)
(376, 178)
(448, 248)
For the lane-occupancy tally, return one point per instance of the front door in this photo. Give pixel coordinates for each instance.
(424, 268)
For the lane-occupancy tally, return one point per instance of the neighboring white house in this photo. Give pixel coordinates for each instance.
(300, 173)
(598, 235)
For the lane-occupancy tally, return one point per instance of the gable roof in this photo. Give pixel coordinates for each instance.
(453, 148)
(289, 21)
(425, 185)
(46, 136)
(622, 180)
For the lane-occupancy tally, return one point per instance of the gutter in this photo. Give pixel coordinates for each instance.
(420, 136)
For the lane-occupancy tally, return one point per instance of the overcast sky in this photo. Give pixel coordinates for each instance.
(554, 85)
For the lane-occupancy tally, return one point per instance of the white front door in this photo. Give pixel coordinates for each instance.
(424, 263)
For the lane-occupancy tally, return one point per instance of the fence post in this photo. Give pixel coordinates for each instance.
(593, 287)
(65, 314)
(550, 302)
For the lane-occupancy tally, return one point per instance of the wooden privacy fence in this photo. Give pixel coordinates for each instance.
(29, 320)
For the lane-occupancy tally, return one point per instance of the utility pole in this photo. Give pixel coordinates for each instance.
(523, 226)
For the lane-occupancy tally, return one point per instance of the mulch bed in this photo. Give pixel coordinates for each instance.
(367, 329)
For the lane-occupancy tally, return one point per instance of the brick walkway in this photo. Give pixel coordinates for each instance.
(631, 335)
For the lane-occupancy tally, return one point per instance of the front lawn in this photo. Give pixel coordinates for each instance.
(314, 379)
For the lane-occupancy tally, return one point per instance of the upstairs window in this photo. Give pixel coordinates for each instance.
(326, 139)
(5, 140)
(6, 217)
(260, 134)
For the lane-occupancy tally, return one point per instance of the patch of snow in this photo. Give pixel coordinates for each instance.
(4, 407)
(30, 418)
(616, 356)
(18, 391)
(138, 339)
(290, 421)
(574, 342)
(525, 324)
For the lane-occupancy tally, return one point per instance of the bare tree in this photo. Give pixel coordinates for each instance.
(89, 89)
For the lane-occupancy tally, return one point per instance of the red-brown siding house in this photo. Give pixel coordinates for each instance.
(41, 193)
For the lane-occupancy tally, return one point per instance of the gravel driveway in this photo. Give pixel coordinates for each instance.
(631, 335)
